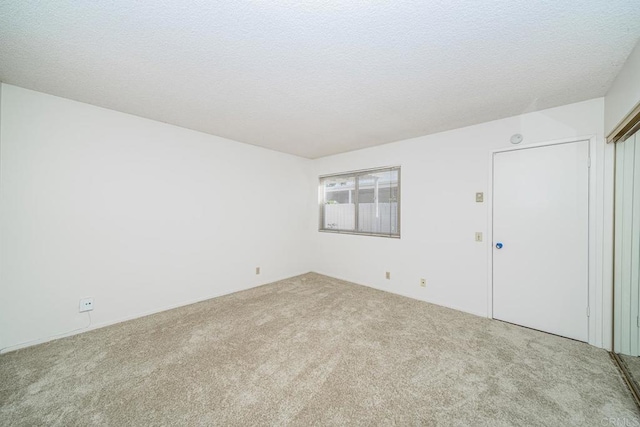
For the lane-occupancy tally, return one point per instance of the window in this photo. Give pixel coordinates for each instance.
(363, 202)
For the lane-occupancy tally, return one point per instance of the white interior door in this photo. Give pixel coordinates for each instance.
(541, 238)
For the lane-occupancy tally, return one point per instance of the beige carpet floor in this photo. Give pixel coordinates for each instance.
(312, 350)
(633, 366)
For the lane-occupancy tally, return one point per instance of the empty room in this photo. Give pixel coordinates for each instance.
(319, 212)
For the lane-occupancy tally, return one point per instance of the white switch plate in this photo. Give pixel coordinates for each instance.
(423, 283)
(388, 275)
(479, 197)
(257, 270)
(86, 304)
(478, 236)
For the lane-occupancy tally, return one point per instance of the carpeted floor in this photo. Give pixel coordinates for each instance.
(312, 350)
(633, 366)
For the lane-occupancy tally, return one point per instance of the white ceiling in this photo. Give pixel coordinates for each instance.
(316, 77)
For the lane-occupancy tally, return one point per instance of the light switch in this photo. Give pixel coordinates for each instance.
(479, 197)
(478, 236)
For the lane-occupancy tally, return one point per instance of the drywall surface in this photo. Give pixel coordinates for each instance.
(144, 216)
(624, 94)
(140, 215)
(440, 175)
(315, 78)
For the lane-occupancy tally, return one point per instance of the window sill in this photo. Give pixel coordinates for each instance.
(389, 236)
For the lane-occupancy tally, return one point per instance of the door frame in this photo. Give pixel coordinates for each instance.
(592, 301)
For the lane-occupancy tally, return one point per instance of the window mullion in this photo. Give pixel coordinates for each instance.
(322, 204)
(357, 186)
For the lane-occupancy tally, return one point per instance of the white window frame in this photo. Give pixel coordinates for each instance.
(356, 175)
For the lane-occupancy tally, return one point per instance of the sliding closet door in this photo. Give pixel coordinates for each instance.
(627, 248)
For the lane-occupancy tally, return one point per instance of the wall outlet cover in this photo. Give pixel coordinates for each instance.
(86, 304)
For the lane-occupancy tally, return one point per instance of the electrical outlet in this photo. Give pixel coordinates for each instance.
(257, 270)
(423, 283)
(387, 275)
(478, 236)
(86, 304)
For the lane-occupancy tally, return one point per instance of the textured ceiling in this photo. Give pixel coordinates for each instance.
(314, 77)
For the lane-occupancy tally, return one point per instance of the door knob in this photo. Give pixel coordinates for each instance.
(499, 245)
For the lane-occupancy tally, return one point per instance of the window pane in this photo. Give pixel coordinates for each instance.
(378, 202)
(339, 203)
(363, 202)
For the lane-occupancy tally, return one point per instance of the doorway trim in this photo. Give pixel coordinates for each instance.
(594, 298)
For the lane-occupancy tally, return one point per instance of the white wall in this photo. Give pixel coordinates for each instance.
(144, 216)
(138, 214)
(624, 94)
(440, 175)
